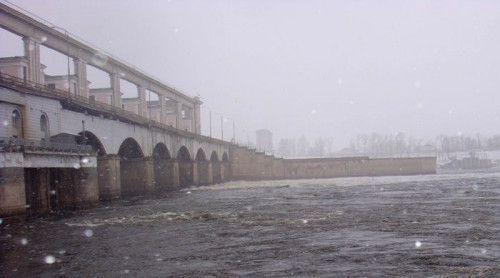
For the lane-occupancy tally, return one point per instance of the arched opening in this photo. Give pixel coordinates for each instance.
(160, 152)
(200, 155)
(165, 172)
(186, 167)
(214, 157)
(44, 127)
(134, 171)
(216, 167)
(89, 138)
(183, 154)
(204, 168)
(225, 158)
(17, 124)
(130, 149)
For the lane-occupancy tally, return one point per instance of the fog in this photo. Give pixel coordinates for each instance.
(330, 69)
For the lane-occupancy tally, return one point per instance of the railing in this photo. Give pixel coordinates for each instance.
(44, 90)
(19, 144)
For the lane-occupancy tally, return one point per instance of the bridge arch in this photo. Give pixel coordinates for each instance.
(133, 168)
(89, 138)
(187, 169)
(183, 154)
(165, 172)
(225, 157)
(130, 149)
(204, 166)
(200, 155)
(214, 157)
(160, 152)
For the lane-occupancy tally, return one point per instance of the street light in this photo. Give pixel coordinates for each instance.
(234, 129)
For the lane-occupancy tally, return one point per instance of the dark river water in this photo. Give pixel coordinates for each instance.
(416, 226)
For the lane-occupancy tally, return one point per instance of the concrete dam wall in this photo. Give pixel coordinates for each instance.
(246, 164)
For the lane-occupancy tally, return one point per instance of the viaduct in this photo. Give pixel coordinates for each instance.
(66, 146)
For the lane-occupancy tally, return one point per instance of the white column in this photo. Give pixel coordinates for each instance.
(141, 92)
(163, 109)
(116, 99)
(81, 73)
(32, 53)
(180, 120)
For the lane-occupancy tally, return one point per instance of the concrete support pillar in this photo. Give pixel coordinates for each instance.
(12, 191)
(196, 178)
(141, 92)
(32, 53)
(137, 176)
(116, 99)
(109, 178)
(179, 123)
(163, 109)
(217, 172)
(166, 175)
(38, 189)
(205, 172)
(226, 173)
(86, 187)
(81, 73)
(188, 173)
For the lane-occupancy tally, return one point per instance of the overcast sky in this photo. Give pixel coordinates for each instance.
(314, 68)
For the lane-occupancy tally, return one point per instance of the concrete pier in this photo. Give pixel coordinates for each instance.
(137, 176)
(166, 175)
(109, 178)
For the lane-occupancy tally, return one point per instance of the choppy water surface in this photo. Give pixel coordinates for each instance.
(441, 226)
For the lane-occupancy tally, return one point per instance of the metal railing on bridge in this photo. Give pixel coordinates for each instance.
(19, 144)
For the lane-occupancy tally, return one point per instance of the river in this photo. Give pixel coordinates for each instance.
(417, 226)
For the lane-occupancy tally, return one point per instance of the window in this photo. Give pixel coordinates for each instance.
(44, 127)
(17, 124)
(51, 86)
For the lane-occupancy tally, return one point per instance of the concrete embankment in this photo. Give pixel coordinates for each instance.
(247, 164)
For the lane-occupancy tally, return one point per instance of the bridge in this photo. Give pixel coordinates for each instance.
(66, 146)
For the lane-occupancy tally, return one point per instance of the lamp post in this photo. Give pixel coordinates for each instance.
(234, 129)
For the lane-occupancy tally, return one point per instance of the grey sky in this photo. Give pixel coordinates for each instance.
(314, 68)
